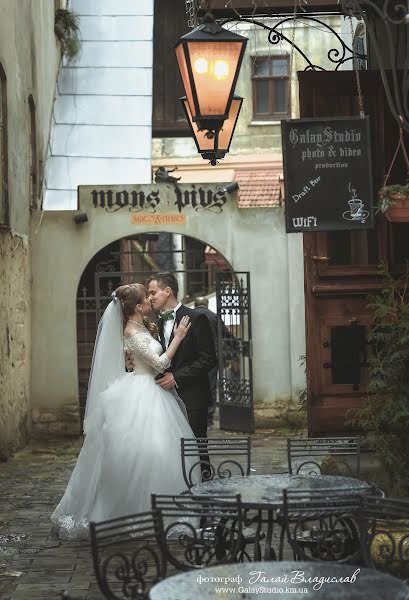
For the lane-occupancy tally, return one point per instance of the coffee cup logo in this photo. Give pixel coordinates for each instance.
(356, 206)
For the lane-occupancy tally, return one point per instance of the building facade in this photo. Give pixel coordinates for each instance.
(29, 58)
(104, 130)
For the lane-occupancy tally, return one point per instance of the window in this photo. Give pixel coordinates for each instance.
(170, 23)
(4, 203)
(33, 154)
(270, 76)
(353, 247)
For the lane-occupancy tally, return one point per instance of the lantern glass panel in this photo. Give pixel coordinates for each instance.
(214, 67)
(180, 56)
(206, 144)
(226, 132)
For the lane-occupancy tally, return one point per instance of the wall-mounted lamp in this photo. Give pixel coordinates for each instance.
(209, 59)
(230, 188)
(213, 145)
(80, 218)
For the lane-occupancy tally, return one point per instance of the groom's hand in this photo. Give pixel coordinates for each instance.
(167, 382)
(128, 361)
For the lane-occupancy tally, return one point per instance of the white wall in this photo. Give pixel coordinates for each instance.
(250, 239)
(101, 128)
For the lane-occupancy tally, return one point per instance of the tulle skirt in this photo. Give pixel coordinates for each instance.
(132, 449)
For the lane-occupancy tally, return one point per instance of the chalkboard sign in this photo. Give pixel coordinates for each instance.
(327, 174)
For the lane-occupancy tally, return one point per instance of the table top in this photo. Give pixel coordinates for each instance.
(263, 491)
(282, 580)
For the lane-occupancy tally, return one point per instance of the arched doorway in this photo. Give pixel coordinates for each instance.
(201, 271)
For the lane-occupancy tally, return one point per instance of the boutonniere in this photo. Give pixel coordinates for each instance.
(166, 315)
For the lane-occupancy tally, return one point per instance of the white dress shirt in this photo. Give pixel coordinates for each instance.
(169, 324)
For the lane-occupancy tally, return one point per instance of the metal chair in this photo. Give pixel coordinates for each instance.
(198, 531)
(215, 458)
(323, 525)
(324, 456)
(127, 558)
(385, 534)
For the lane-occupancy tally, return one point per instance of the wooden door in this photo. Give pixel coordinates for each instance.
(341, 267)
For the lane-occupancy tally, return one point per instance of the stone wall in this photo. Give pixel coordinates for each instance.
(56, 421)
(29, 56)
(14, 342)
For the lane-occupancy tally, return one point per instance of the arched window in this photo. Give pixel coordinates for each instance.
(4, 202)
(33, 164)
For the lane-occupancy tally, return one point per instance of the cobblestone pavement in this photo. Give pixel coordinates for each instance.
(34, 563)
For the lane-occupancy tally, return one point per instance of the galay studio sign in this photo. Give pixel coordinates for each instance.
(327, 174)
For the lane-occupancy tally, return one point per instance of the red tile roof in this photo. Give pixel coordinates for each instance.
(260, 189)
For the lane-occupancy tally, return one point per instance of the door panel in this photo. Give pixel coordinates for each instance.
(341, 267)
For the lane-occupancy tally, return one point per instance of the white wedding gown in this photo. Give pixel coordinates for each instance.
(132, 448)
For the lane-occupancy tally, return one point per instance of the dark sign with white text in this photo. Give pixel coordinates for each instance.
(327, 174)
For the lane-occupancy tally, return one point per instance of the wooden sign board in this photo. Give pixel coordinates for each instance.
(327, 174)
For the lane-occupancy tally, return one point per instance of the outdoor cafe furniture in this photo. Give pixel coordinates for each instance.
(196, 532)
(215, 458)
(126, 556)
(322, 526)
(319, 455)
(283, 580)
(132, 553)
(264, 493)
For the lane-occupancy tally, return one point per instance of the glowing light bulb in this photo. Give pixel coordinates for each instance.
(201, 65)
(221, 69)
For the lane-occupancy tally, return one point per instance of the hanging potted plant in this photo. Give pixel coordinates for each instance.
(394, 198)
(66, 28)
(394, 202)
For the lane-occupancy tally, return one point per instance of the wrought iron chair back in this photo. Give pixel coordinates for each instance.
(385, 534)
(323, 525)
(216, 459)
(127, 557)
(326, 456)
(199, 531)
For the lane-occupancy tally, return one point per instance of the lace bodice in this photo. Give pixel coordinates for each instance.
(147, 353)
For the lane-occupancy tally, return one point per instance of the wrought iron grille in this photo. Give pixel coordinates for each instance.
(235, 351)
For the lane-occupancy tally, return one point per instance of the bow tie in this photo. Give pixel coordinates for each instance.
(167, 315)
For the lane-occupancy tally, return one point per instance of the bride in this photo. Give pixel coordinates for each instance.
(133, 426)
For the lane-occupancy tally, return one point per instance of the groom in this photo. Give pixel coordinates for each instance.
(195, 356)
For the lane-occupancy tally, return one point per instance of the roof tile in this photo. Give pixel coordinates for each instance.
(260, 188)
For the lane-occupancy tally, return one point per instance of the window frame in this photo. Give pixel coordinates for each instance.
(269, 116)
(4, 196)
(33, 159)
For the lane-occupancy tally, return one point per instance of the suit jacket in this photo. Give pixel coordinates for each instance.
(193, 360)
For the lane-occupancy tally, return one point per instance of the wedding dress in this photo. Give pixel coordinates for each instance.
(131, 448)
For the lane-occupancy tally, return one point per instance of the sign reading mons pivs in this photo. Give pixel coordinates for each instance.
(327, 174)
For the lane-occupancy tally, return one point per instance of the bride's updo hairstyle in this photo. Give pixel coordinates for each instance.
(130, 295)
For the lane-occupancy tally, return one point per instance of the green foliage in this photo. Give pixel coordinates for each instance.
(384, 416)
(387, 194)
(66, 28)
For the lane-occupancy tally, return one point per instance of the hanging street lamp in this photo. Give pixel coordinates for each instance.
(214, 145)
(209, 60)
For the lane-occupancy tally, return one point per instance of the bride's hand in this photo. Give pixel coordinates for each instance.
(180, 331)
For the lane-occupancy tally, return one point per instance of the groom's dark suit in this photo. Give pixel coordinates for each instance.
(190, 367)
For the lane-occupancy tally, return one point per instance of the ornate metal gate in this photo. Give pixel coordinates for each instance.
(235, 351)
(91, 303)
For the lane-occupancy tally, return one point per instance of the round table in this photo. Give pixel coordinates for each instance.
(265, 493)
(282, 580)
